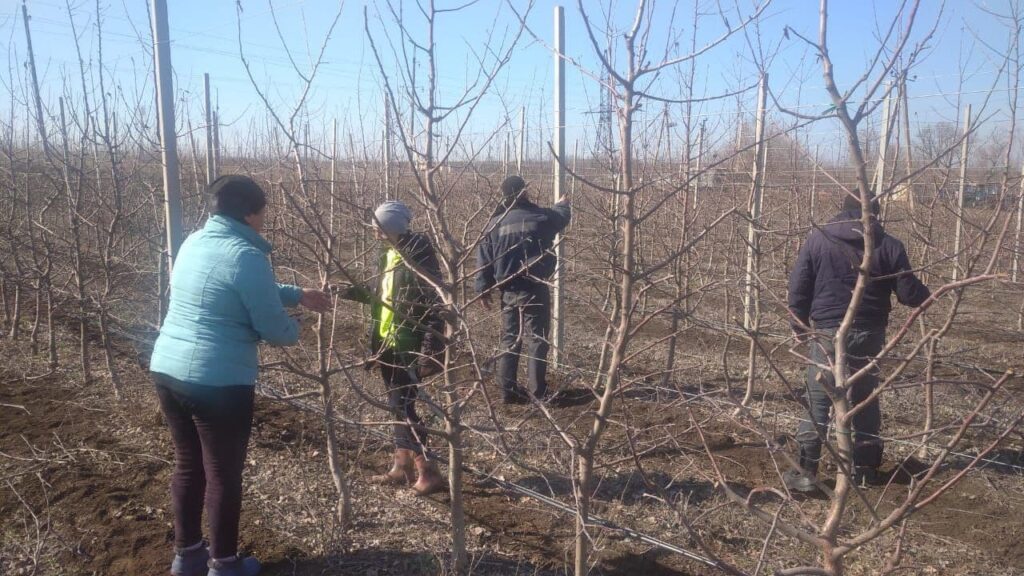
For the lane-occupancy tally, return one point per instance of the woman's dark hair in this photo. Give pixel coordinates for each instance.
(237, 197)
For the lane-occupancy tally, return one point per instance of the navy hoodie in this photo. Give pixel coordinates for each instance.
(822, 280)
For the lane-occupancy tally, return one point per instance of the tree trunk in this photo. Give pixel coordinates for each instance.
(586, 472)
(51, 331)
(108, 353)
(16, 314)
(344, 506)
(460, 558)
(37, 316)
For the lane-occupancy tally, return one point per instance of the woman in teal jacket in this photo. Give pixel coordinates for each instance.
(224, 301)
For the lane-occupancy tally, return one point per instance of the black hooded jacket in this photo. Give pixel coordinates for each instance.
(518, 244)
(822, 280)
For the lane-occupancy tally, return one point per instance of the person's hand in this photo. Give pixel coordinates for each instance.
(315, 300)
(486, 300)
(355, 293)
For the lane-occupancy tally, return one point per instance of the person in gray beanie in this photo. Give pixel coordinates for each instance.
(392, 218)
(406, 339)
(516, 256)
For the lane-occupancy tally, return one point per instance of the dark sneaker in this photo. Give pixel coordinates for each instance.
(516, 396)
(799, 481)
(865, 476)
(515, 400)
(190, 562)
(247, 566)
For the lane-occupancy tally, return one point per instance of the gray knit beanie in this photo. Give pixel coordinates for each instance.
(393, 218)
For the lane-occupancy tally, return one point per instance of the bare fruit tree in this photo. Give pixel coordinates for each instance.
(432, 139)
(306, 197)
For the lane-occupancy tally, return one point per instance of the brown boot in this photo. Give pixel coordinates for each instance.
(401, 473)
(430, 480)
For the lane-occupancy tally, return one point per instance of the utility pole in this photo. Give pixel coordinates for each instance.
(752, 305)
(211, 173)
(958, 238)
(557, 334)
(168, 142)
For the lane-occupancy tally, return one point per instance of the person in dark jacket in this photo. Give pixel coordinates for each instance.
(820, 289)
(224, 302)
(516, 257)
(406, 339)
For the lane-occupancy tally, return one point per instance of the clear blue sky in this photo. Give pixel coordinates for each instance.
(204, 37)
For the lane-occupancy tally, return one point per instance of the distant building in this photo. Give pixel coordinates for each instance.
(984, 193)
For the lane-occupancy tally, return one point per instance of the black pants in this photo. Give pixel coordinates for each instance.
(525, 315)
(397, 371)
(210, 428)
(861, 347)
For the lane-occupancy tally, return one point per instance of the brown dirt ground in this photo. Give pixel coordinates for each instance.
(83, 490)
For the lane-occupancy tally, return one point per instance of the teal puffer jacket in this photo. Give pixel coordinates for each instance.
(224, 300)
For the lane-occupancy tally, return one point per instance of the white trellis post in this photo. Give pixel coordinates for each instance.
(814, 181)
(168, 141)
(883, 147)
(522, 140)
(751, 304)
(210, 170)
(557, 333)
(958, 238)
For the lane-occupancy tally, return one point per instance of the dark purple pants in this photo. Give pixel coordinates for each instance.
(402, 391)
(210, 428)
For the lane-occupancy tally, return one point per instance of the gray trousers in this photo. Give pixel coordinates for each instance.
(525, 315)
(861, 346)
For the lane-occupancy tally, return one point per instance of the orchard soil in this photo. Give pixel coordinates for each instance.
(85, 476)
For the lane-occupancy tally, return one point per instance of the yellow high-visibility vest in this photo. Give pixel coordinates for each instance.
(388, 329)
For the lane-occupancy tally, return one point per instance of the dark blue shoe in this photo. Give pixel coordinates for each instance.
(247, 566)
(190, 562)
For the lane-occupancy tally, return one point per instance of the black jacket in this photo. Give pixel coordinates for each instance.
(518, 244)
(821, 283)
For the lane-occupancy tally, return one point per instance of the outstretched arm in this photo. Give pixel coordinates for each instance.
(562, 214)
(910, 291)
(261, 296)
